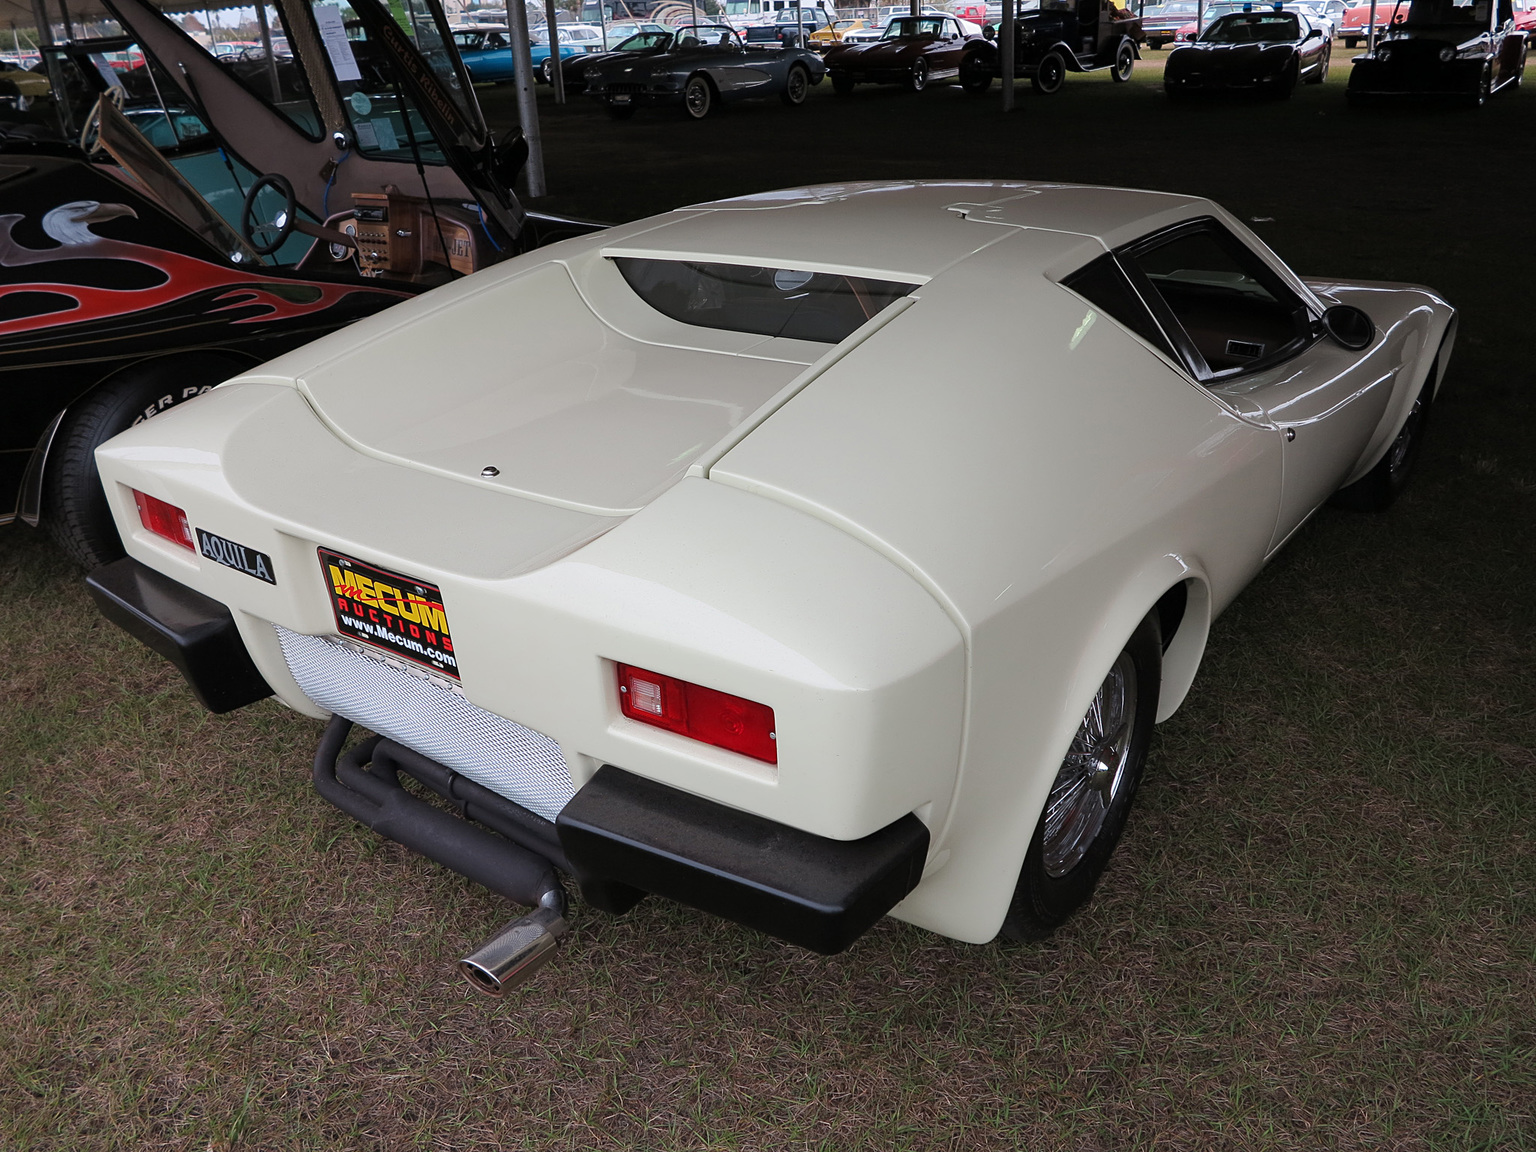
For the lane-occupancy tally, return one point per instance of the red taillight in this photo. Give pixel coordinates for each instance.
(700, 713)
(164, 519)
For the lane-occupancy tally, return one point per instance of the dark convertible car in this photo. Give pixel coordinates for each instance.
(1262, 53)
(1458, 49)
(704, 66)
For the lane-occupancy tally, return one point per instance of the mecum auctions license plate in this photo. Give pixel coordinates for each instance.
(398, 614)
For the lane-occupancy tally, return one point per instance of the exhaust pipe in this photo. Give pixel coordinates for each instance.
(523, 947)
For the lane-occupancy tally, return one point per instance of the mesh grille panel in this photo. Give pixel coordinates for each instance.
(525, 766)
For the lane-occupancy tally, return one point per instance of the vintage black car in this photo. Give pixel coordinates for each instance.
(1258, 53)
(704, 66)
(143, 271)
(1445, 48)
(577, 68)
(1063, 36)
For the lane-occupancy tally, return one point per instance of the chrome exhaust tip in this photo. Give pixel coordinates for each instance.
(511, 958)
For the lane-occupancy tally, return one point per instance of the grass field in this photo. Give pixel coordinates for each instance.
(1320, 930)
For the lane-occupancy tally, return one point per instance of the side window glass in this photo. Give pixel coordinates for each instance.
(1233, 309)
(1104, 285)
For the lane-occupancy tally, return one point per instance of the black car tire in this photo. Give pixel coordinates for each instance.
(1287, 82)
(917, 79)
(1125, 60)
(75, 509)
(698, 97)
(1350, 42)
(796, 85)
(1061, 869)
(975, 77)
(619, 111)
(1050, 74)
(546, 72)
(842, 83)
(1484, 87)
(1321, 72)
(1379, 488)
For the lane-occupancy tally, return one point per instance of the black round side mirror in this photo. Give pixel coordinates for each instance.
(1349, 327)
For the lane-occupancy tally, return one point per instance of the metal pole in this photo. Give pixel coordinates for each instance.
(602, 21)
(527, 102)
(69, 28)
(1370, 33)
(212, 39)
(556, 73)
(44, 29)
(1200, 17)
(266, 45)
(1005, 57)
(799, 25)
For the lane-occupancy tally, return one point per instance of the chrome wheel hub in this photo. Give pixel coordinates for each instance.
(1092, 776)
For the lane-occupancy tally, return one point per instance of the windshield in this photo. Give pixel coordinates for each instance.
(696, 35)
(383, 117)
(912, 26)
(1253, 28)
(1442, 13)
(644, 41)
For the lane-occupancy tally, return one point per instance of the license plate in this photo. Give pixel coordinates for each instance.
(386, 610)
(621, 98)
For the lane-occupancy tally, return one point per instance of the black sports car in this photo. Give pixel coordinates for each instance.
(705, 65)
(1261, 53)
(577, 68)
(1467, 49)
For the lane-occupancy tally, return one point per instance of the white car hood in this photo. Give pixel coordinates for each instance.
(518, 384)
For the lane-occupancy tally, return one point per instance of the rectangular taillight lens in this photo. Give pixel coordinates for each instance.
(717, 718)
(164, 519)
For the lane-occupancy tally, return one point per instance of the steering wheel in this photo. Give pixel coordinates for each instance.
(281, 226)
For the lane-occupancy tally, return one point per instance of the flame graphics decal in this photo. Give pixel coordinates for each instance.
(184, 276)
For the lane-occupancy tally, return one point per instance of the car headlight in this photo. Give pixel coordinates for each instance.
(1447, 54)
(1384, 52)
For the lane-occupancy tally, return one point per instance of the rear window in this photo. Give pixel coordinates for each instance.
(826, 307)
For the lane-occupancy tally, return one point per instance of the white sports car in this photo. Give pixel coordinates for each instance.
(689, 558)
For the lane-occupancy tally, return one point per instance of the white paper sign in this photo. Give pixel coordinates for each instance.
(365, 136)
(333, 34)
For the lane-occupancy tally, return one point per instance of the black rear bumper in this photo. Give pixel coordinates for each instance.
(192, 631)
(625, 835)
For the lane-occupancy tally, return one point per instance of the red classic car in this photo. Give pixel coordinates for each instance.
(914, 50)
(1356, 25)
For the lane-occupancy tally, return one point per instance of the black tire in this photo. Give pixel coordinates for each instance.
(1350, 42)
(75, 509)
(796, 85)
(1050, 74)
(546, 72)
(1321, 73)
(1287, 85)
(1125, 61)
(975, 77)
(1065, 861)
(842, 83)
(698, 97)
(1484, 87)
(1379, 488)
(917, 79)
(619, 111)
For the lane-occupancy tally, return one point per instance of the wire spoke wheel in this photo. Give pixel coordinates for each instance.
(1093, 772)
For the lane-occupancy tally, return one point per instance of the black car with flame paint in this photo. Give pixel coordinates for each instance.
(1457, 49)
(1258, 53)
(128, 284)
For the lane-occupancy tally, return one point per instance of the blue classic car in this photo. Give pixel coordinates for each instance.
(487, 52)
